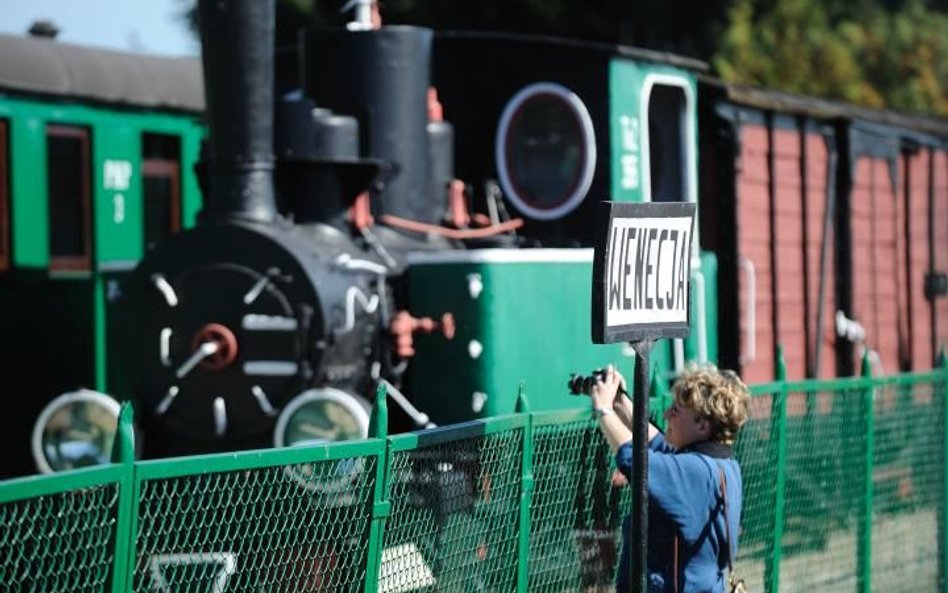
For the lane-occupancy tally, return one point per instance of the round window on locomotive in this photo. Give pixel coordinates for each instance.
(546, 151)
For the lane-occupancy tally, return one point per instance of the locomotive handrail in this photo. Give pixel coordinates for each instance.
(418, 417)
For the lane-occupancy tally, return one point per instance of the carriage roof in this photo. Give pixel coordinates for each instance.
(47, 67)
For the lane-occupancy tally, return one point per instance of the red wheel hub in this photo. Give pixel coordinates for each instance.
(226, 346)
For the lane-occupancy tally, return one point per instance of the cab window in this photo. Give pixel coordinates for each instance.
(161, 192)
(68, 191)
(668, 115)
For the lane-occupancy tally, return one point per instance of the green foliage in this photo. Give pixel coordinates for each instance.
(878, 53)
(860, 52)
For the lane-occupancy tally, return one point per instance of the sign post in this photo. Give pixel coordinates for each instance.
(640, 293)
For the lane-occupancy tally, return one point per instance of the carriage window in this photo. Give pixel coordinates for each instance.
(67, 184)
(4, 200)
(667, 129)
(545, 151)
(161, 191)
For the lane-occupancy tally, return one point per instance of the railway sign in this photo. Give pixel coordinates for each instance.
(641, 271)
(640, 292)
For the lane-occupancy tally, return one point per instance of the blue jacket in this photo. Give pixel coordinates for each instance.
(685, 498)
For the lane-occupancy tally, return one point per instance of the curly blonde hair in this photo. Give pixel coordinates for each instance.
(718, 396)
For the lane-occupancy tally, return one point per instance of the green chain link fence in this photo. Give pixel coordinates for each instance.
(844, 490)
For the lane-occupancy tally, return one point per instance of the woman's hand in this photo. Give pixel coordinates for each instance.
(610, 394)
(606, 393)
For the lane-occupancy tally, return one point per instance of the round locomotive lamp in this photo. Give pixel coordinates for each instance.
(545, 151)
(321, 416)
(75, 430)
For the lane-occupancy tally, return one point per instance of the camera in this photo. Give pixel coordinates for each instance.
(582, 385)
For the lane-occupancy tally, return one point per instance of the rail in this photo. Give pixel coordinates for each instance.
(844, 489)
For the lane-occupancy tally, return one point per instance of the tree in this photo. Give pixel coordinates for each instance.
(858, 52)
(878, 53)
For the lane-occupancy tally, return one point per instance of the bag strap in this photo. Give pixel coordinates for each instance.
(727, 524)
(727, 527)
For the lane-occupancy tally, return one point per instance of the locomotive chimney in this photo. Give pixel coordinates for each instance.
(237, 54)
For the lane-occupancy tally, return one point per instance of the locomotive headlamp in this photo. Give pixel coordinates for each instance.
(75, 430)
(322, 415)
(319, 416)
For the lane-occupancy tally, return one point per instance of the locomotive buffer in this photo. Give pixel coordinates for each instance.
(640, 293)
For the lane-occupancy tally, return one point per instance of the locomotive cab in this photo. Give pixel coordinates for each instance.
(573, 124)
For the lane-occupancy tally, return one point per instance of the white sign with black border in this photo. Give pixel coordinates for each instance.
(641, 271)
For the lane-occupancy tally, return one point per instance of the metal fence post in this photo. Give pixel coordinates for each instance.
(123, 452)
(864, 543)
(778, 432)
(943, 510)
(526, 494)
(382, 506)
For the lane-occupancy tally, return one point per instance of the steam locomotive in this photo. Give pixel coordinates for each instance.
(387, 204)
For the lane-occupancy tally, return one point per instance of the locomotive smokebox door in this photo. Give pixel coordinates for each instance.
(227, 323)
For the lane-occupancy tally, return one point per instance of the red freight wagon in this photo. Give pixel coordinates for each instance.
(831, 225)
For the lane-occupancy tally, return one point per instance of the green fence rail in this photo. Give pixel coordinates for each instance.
(844, 490)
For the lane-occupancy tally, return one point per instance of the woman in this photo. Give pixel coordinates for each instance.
(685, 470)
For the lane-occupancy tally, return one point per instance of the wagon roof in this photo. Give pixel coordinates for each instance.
(47, 67)
(635, 53)
(826, 108)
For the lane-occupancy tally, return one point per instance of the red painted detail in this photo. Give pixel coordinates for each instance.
(404, 326)
(226, 346)
(424, 227)
(360, 213)
(457, 204)
(435, 110)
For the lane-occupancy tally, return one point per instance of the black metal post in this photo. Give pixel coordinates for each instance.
(638, 544)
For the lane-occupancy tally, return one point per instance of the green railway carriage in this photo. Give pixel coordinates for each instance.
(96, 165)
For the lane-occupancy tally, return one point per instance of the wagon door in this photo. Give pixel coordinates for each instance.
(924, 203)
(874, 277)
(776, 204)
